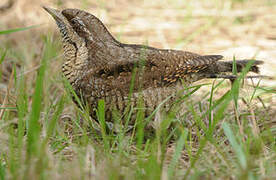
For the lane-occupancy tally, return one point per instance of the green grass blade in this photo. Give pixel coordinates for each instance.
(194, 159)
(236, 146)
(211, 103)
(101, 118)
(177, 153)
(17, 29)
(140, 121)
(234, 66)
(255, 90)
(74, 96)
(33, 126)
(236, 90)
(1, 61)
(3, 56)
(2, 171)
(56, 115)
(226, 99)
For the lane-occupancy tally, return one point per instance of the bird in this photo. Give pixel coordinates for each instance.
(99, 67)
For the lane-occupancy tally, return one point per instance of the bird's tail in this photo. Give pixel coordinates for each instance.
(222, 69)
(227, 66)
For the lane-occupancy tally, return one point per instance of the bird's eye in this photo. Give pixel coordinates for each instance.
(79, 26)
(74, 21)
(77, 22)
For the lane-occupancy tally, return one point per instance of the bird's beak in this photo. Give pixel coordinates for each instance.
(56, 14)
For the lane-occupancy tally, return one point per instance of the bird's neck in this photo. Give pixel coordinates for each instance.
(75, 58)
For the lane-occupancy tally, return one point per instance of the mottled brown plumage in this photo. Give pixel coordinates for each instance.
(100, 67)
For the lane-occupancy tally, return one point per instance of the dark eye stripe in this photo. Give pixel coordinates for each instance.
(77, 22)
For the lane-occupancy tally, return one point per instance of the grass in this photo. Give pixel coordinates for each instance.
(43, 135)
(37, 143)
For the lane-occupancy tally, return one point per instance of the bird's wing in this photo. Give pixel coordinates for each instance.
(175, 65)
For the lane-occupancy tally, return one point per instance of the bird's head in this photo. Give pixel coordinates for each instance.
(74, 33)
(75, 24)
(67, 31)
